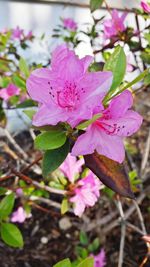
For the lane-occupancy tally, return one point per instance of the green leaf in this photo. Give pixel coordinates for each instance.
(11, 235)
(63, 263)
(81, 252)
(64, 206)
(146, 56)
(2, 191)
(53, 158)
(83, 238)
(147, 37)
(136, 80)
(95, 4)
(87, 123)
(89, 262)
(147, 79)
(6, 205)
(24, 67)
(27, 103)
(117, 64)
(19, 81)
(50, 140)
(30, 113)
(94, 246)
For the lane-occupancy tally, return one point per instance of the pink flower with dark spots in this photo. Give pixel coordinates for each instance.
(106, 134)
(86, 193)
(19, 215)
(146, 6)
(114, 25)
(17, 33)
(71, 167)
(100, 259)
(67, 92)
(11, 90)
(70, 24)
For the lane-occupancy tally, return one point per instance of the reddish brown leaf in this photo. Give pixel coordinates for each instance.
(111, 173)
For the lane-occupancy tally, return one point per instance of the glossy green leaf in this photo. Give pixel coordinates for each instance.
(53, 158)
(6, 205)
(11, 235)
(117, 64)
(89, 262)
(24, 67)
(50, 140)
(95, 4)
(63, 263)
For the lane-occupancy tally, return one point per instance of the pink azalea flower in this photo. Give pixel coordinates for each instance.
(107, 133)
(29, 35)
(19, 215)
(11, 90)
(70, 24)
(100, 259)
(4, 31)
(145, 6)
(67, 92)
(17, 33)
(86, 193)
(71, 167)
(114, 25)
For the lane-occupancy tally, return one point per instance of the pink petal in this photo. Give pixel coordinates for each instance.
(59, 54)
(86, 143)
(119, 105)
(97, 84)
(100, 259)
(79, 205)
(71, 68)
(71, 167)
(37, 85)
(86, 61)
(48, 116)
(111, 146)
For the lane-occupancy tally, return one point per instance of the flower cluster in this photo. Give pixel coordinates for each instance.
(115, 25)
(86, 193)
(146, 6)
(70, 24)
(68, 92)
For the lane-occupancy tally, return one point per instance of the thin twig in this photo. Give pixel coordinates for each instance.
(14, 143)
(38, 185)
(146, 153)
(123, 234)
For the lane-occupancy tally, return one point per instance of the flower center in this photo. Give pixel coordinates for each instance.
(109, 129)
(67, 97)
